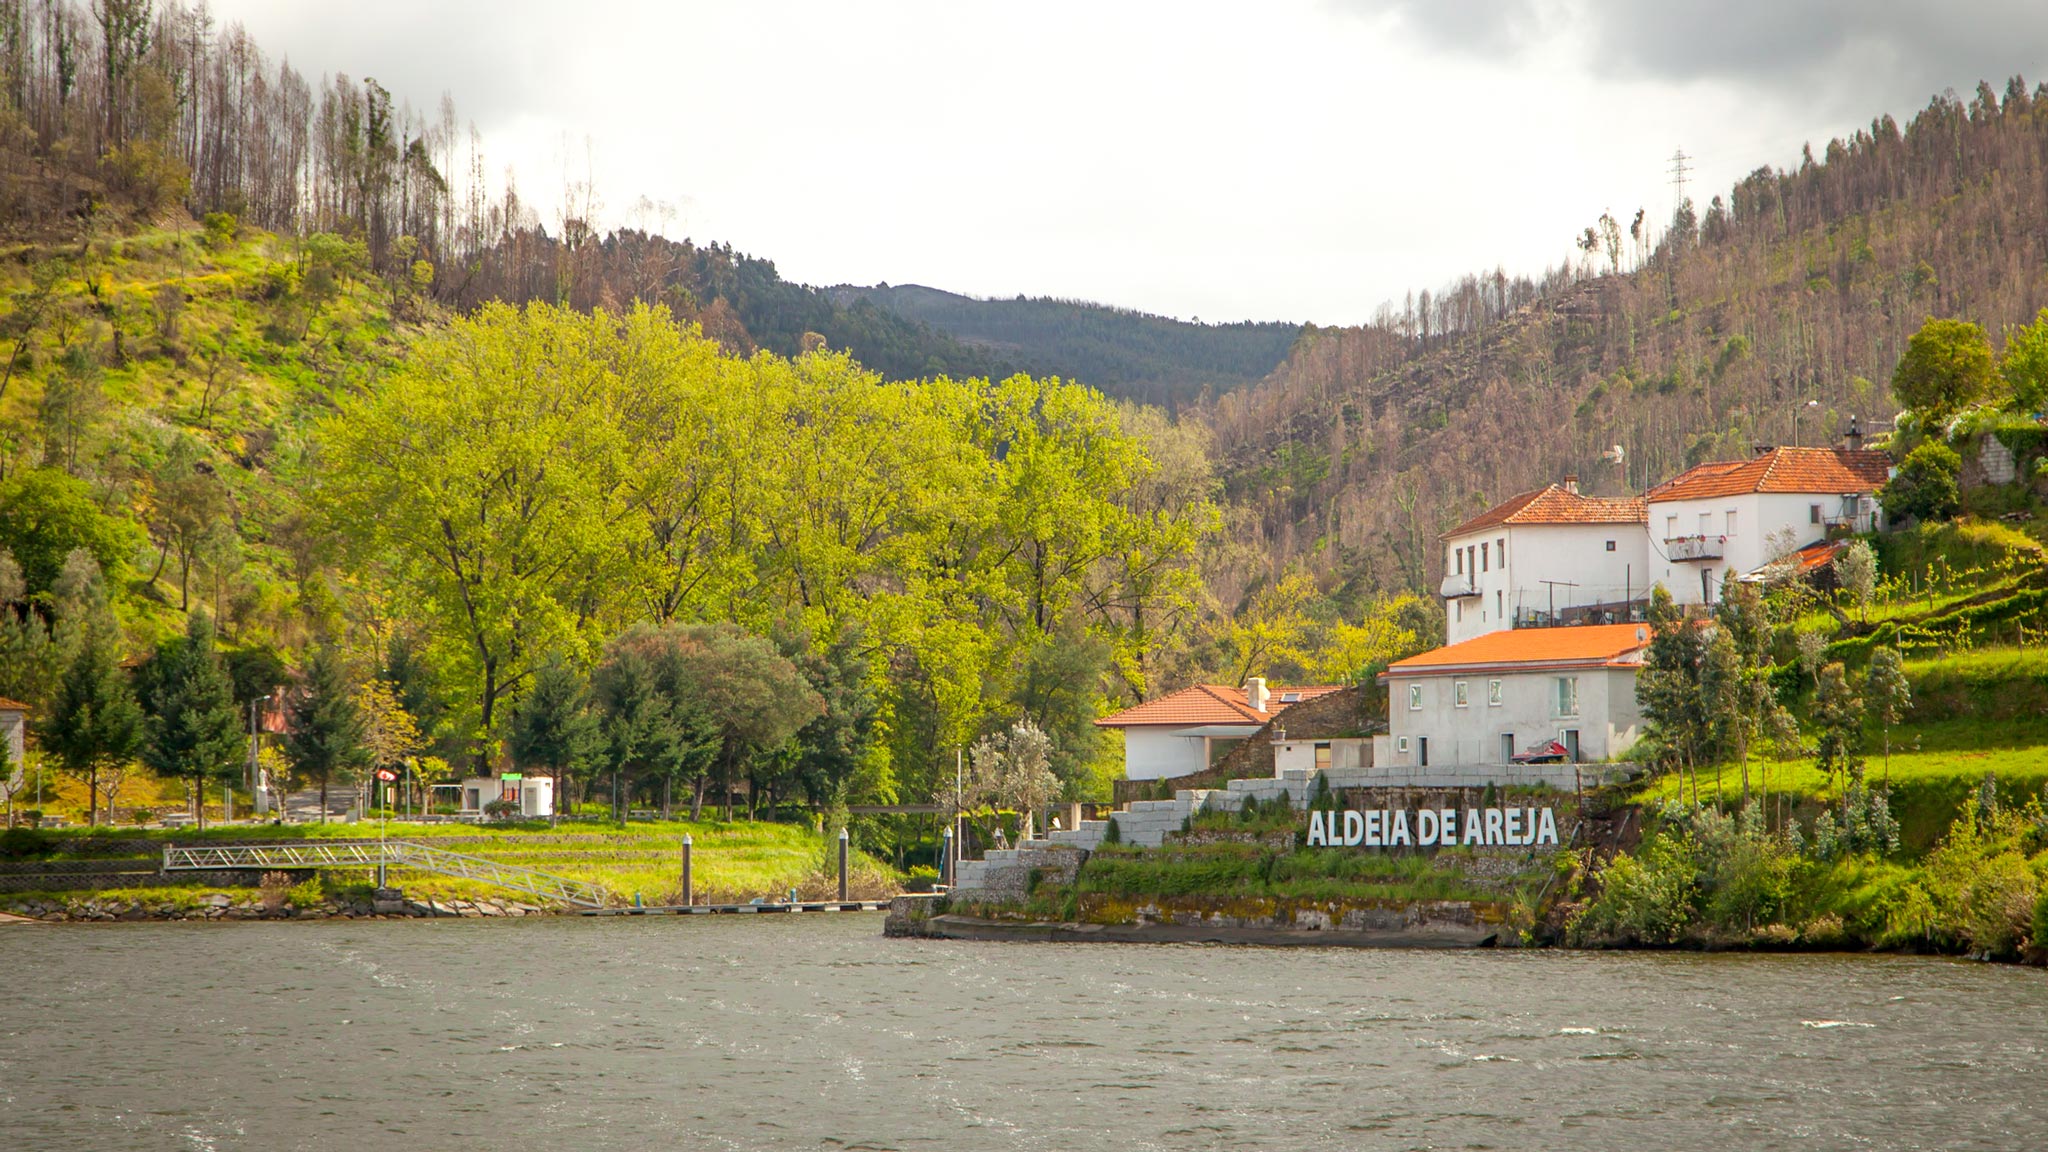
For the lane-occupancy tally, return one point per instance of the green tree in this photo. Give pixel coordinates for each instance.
(554, 728)
(756, 698)
(1947, 367)
(1925, 485)
(2024, 365)
(487, 476)
(324, 728)
(1013, 769)
(1838, 722)
(45, 515)
(653, 723)
(1856, 573)
(1668, 687)
(94, 727)
(1888, 695)
(194, 728)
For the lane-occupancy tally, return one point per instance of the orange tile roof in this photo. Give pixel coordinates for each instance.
(1210, 704)
(1610, 644)
(7, 705)
(1826, 471)
(1555, 504)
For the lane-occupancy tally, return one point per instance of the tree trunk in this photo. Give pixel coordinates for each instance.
(92, 796)
(697, 801)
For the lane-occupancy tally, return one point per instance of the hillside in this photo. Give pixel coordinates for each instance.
(1796, 286)
(1151, 359)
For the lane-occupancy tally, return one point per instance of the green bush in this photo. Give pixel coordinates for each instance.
(1645, 898)
(26, 843)
(2039, 935)
(1113, 834)
(1925, 486)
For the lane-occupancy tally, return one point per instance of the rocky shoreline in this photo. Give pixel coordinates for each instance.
(222, 906)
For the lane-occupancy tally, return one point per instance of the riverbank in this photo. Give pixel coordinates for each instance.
(182, 904)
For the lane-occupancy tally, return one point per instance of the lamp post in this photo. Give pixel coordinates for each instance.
(1796, 414)
(946, 858)
(842, 865)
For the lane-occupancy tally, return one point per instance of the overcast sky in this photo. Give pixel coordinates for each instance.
(1273, 160)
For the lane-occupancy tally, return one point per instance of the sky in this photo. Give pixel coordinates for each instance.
(1301, 160)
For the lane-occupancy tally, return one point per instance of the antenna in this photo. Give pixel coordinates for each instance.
(1679, 168)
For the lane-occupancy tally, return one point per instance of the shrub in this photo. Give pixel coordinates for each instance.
(2038, 937)
(1645, 898)
(1925, 486)
(502, 809)
(273, 889)
(1112, 834)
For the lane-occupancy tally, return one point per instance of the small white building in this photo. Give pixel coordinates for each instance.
(1481, 702)
(1549, 556)
(1741, 515)
(1189, 730)
(535, 795)
(13, 734)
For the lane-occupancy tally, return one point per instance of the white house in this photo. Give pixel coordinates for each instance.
(1549, 556)
(1482, 701)
(14, 735)
(535, 795)
(1740, 515)
(1188, 730)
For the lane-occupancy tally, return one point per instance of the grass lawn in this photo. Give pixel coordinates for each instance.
(731, 862)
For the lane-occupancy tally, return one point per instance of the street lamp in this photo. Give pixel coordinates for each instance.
(1796, 414)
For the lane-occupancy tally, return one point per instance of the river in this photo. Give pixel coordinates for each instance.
(815, 1032)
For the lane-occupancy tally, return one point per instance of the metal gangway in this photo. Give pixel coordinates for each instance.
(380, 854)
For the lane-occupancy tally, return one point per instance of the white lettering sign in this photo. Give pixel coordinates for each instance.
(1432, 828)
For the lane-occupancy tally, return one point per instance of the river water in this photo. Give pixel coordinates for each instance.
(815, 1032)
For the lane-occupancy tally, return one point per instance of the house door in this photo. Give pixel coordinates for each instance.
(1507, 747)
(1571, 744)
(1423, 745)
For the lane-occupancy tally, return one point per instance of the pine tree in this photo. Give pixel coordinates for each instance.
(194, 730)
(1887, 694)
(554, 727)
(326, 729)
(94, 724)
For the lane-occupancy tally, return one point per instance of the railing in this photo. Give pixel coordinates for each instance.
(1457, 585)
(1695, 547)
(371, 853)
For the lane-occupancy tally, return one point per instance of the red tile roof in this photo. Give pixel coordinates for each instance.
(1556, 504)
(1824, 471)
(7, 705)
(1211, 704)
(1605, 644)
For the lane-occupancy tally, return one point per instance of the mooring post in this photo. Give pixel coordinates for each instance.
(946, 858)
(686, 870)
(842, 864)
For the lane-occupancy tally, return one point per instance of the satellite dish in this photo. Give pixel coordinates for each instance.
(1614, 455)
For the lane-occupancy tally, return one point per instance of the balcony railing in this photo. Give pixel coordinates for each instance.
(1457, 585)
(1695, 547)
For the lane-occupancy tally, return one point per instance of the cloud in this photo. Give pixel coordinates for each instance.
(1854, 55)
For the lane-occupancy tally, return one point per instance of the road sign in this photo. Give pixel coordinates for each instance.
(386, 775)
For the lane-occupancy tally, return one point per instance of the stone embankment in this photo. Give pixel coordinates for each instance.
(1424, 924)
(243, 906)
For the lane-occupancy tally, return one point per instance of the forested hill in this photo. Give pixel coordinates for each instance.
(1155, 359)
(1797, 285)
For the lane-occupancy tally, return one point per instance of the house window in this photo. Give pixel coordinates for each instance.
(1460, 554)
(1493, 693)
(1813, 513)
(1499, 604)
(1484, 564)
(1500, 549)
(1706, 522)
(1458, 693)
(1507, 747)
(1415, 697)
(1731, 522)
(1322, 755)
(1458, 610)
(1402, 745)
(1671, 527)
(1567, 695)
(1610, 545)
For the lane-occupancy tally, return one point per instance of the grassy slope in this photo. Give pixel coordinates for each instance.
(281, 357)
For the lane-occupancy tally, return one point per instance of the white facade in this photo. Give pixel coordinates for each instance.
(1696, 543)
(1496, 576)
(1155, 752)
(536, 794)
(1338, 753)
(1484, 716)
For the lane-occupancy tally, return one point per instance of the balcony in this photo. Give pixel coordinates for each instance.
(1457, 586)
(1695, 547)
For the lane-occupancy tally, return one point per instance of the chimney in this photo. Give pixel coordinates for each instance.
(1854, 437)
(1571, 483)
(1255, 693)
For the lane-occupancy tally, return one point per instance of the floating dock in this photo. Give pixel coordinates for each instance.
(740, 909)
